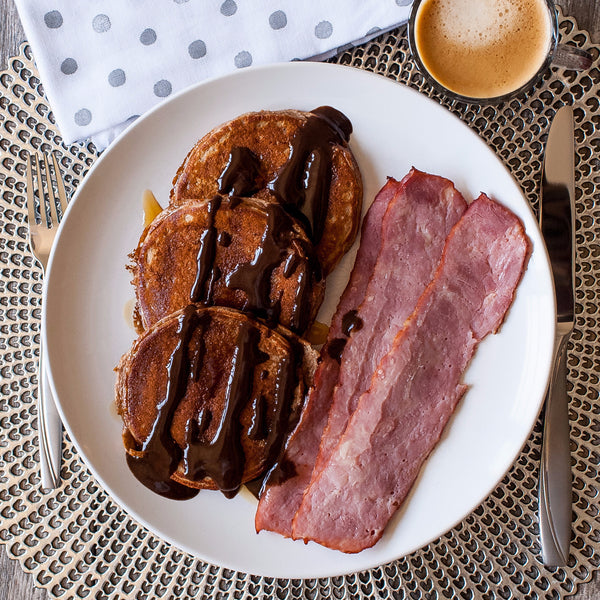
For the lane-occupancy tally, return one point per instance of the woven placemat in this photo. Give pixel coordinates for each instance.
(78, 543)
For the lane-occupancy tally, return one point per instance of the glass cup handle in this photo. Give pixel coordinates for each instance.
(571, 57)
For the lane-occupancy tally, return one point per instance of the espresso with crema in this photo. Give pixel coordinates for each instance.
(483, 48)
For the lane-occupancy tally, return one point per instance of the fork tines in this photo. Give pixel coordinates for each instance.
(49, 190)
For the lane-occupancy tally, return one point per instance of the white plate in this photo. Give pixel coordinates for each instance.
(88, 288)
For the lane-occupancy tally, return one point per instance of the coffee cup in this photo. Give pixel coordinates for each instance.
(486, 51)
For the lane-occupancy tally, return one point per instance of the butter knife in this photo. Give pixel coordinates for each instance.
(557, 217)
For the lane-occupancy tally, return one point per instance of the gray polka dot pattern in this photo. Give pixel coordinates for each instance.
(119, 58)
(162, 88)
(243, 59)
(101, 23)
(53, 19)
(148, 37)
(197, 49)
(116, 77)
(278, 20)
(324, 30)
(228, 8)
(68, 66)
(83, 117)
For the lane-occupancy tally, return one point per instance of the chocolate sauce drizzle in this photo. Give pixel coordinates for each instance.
(160, 454)
(254, 277)
(281, 468)
(302, 185)
(335, 348)
(282, 416)
(224, 239)
(258, 427)
(200, 292)
(222, 458)
(350, 322)
(285, 420)
(241, 174)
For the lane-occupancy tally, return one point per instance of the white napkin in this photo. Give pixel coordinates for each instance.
(105, 62)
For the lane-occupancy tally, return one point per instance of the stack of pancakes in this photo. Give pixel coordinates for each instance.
(227, 279)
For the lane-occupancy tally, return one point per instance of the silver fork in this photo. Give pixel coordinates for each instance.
(43, 224)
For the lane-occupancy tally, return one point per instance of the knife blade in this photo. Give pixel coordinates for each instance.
(557, 217)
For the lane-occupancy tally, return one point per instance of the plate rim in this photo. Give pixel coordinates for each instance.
(540, 249)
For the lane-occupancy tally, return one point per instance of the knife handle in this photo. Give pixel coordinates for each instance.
(555, 496)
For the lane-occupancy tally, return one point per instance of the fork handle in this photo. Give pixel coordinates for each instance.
(50, 431)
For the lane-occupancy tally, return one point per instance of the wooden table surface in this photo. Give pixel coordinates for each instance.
(18, 585)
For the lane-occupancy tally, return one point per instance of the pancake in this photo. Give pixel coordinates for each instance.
(207, 396)
(302, 158)
(247, 254)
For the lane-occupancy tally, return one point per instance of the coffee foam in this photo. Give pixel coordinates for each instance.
(486, 40)
(480, 23)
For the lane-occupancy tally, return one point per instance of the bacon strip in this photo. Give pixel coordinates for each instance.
(417, 385)
(419, 212)
(413, 237)
(286, 484)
